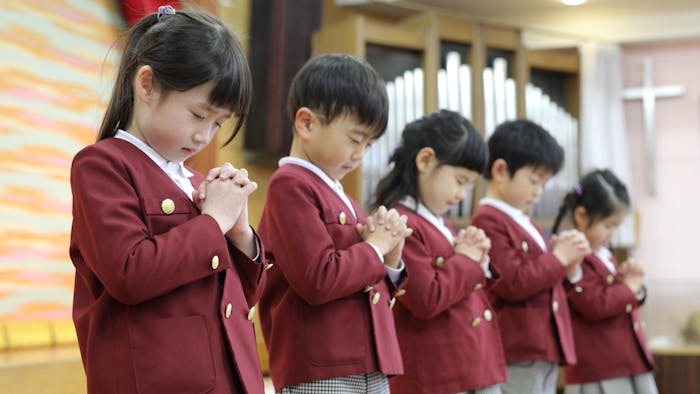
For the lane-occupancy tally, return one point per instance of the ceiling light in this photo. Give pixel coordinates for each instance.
(573, 2)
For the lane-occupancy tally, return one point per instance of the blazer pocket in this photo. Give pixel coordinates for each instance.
(163, 214)
(336, 333)
(172, 356)
(340, 224)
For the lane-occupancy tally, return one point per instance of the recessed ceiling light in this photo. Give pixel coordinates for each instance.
(573, 2)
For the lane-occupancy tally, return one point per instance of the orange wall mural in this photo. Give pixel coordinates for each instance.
(57, 64)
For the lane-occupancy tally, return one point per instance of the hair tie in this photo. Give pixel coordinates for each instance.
(578, 189)
(165, 10)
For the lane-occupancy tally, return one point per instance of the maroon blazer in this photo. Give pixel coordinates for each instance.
(609, 338)
(449, 337)
(162, 301)
(325, 310)
(529, 300)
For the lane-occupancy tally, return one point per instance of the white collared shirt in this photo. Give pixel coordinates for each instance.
(439, 223)
(394, 273)
(519, 217)
(176, 171)
(605, 255)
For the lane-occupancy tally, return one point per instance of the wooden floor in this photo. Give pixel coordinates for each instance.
(59, 370)
(42, 371)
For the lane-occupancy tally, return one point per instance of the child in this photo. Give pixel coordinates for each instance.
(612, 353)
(529, 299)
(325, 313)
(449, 338)
(166, 275)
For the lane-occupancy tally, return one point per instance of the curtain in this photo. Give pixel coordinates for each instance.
(602, 122)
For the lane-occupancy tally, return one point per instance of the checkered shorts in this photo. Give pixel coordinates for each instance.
(366, 383)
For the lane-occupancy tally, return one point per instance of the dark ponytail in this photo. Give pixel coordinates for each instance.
(600, 193)
(454, 140)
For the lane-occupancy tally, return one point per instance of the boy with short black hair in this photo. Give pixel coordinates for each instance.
(529, 300)
(326, 311)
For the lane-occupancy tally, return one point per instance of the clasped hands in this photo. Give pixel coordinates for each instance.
(473, 243)
(387, 231)
(223, 195)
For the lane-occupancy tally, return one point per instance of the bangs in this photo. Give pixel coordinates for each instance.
(233, 90)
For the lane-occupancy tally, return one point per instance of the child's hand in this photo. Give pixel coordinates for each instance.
(570, 247)
(389, 229)
(225, 197)
(393, 258)
(226, 171)
(473, 243)
(632, 275)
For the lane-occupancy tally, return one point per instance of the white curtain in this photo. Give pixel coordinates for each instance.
(602, 121)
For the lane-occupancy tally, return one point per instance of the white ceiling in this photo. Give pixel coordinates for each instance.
(548, 23)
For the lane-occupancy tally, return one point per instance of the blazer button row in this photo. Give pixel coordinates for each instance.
(229, 309)
(488, 316)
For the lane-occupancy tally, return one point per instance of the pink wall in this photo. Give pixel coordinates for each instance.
(669, 232)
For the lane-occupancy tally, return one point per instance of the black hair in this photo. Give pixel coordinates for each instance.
(523, 143)
(184, 50)
(453, 138)
(335, 85)
(600, 192)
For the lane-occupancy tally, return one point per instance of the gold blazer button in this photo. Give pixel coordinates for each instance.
(251, 313)
(342, 218)
(525, 246)
(168, 206)
(439, 261)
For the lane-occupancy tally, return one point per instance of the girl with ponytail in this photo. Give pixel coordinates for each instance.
(612, 352)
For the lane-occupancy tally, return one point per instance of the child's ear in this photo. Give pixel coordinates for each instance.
(580, 218)
(303, 122)
(144, 84)
(499, 170)
(425, 158)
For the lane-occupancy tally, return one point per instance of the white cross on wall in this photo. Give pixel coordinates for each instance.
(648, 93)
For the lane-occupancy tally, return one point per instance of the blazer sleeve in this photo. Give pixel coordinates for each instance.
(432, 289)
(305, 252)
(521, 274)
(595, 300)
(114, 240)
(251, 273)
